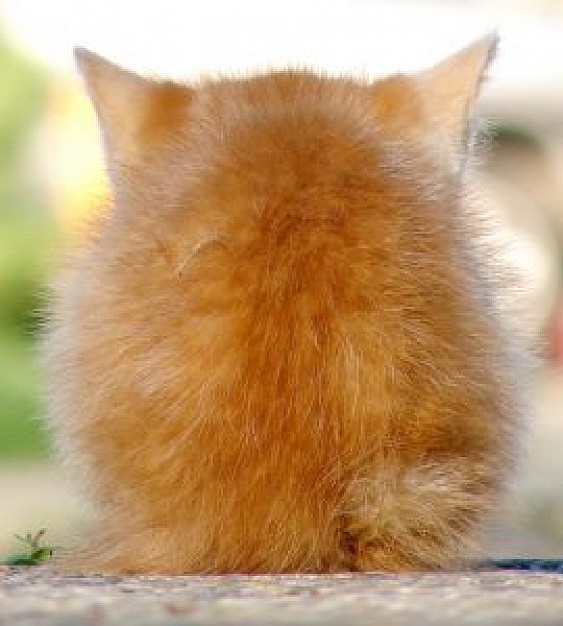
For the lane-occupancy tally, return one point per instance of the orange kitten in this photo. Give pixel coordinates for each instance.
(281, 352)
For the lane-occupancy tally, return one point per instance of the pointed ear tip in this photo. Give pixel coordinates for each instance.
(89, 62)
(84, 59)
(485, 47)
(80, 52)
(493, 37)
(491, 43)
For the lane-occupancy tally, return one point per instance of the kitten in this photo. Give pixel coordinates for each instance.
(281, 351)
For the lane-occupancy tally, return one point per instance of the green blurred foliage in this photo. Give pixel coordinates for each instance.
(26, 237)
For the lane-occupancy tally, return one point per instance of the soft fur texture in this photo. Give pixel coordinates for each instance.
(281, 352)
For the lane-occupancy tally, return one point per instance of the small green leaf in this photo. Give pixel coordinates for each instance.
(38, 553)
(18, 559)
(41, 554)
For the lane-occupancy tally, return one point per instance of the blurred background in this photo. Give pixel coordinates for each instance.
(51, 180)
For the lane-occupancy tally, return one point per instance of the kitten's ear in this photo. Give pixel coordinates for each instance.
(130, 109)
(120, 99)
(451, 87)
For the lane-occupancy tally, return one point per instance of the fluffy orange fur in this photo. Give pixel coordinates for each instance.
(281, 351)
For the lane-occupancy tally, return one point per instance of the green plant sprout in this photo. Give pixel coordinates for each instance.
(36, 552)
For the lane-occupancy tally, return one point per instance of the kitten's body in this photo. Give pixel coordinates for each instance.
(276, 355)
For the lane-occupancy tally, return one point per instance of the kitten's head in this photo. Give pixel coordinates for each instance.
(287, 122)
(293, 129)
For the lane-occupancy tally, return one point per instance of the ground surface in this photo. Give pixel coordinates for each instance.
(35, 596)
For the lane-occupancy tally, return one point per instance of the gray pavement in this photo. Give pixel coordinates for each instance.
(37, 596)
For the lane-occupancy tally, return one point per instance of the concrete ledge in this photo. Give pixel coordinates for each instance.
(40, 597)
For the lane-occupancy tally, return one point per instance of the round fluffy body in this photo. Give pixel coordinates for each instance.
(280, 352)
